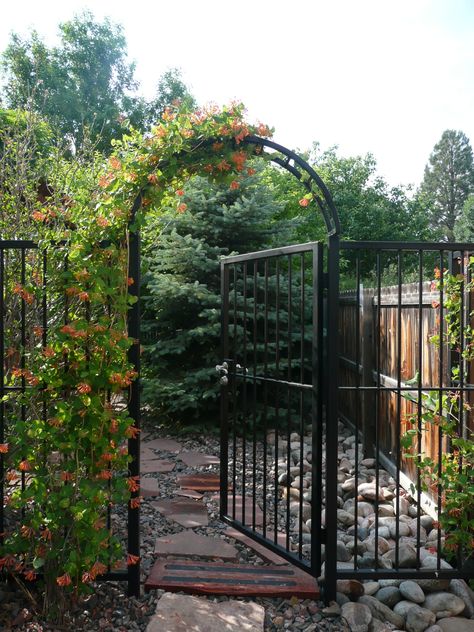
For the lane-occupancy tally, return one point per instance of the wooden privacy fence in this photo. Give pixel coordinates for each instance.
(388, 362)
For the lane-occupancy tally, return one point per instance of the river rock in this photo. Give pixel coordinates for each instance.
(432, 585)
(345, 518)
(381, 611)
(412, 591)
(444, 604)
(434, 628)
(357, 615)
(377, 626)
(456, 624)
(459, 588)
(382, 544)
(351, 587)
(418, 619)
(370, 588)
(342, 554)
(402, 607)
(390, 595)
(406, 556)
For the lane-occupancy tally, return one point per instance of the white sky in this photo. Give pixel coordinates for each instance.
(380, 76)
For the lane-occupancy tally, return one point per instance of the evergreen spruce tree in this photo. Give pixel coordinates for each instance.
(181, 321)
(464, 226)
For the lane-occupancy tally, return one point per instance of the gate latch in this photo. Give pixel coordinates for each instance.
(222, 370)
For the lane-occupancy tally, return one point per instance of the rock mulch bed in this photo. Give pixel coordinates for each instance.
(423, 606)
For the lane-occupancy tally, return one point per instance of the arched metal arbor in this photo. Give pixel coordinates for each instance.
(313, 184)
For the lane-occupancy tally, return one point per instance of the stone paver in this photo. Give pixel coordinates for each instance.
(184, 613)
(196, 459)
(238, 509)
(156, 466)
(187, 513)
(163, 445)
(206, 482)
(190, 543)
(147, 455)
(149, 487)
(189, 493)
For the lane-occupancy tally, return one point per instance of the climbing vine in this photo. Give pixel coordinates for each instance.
(67, 433)
(450, 412)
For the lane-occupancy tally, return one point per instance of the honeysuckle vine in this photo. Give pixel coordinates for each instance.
(450, 480)
(67, 433)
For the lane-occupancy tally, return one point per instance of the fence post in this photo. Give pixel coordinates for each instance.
(332, 418)
(367, 377)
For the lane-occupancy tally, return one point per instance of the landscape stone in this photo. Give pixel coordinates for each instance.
(434, 628)
(351, 587)
(456, 624)
(156, 466)
(162, 445)
(187, 513)
(262, 551)
(418, 619)
(357, 615)
(149, 487)
(390, 595)
(190, 543)
(402, 607)
(412, 591)
(381, 611)
(444, 604)
(195, 459)
(406, 556)
(459, 588)
(370, 588)
(185, 613)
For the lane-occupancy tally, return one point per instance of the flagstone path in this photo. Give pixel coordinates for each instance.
(207, 564)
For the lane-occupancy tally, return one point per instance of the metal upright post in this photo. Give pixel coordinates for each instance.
(134, 407)
(332, 361)
(224, 400)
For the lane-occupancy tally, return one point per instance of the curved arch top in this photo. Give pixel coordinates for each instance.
(312, 182)
(295, 165)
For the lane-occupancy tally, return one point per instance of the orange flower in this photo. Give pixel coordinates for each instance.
(48, 352)
(251, 171)
(46, 535)
(208, 168)
(304, 202)
(114, 162)
(132, 484)
(98, 569)
(55, 422)
(67, 476)
(135, 502)
(24, 294)
(3, 448)
(39, 216)
(234, 185)
(223, 165)
(83, 296)
(130, 281)
(437, 272)
(152, 178)
(81, 275)
(263, 130)
(182, 207)
(105, 180)
(30, 575)
(180, 192)
(86, 578)
(132, 432)
(25, 466)
(113, 428)
(64, 580)
(217, 146)
(102, 222)
(435, 304)
(132, 559)
(37, 330)
(11, 476)
(72, 291)
(27, 532)
(84, 388)
(239, 158)
(105, 475)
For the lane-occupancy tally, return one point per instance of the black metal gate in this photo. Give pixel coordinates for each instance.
(272, 342)
(316, 379)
